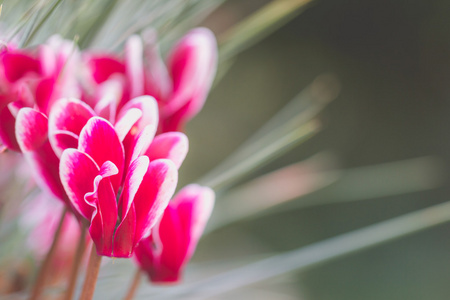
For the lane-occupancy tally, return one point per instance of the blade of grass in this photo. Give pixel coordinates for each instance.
(41, 22)
(302, 109)
(264, 155)
(315, 254)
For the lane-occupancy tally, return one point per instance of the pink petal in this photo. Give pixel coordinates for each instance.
(148, 121)
(124, 236)
(44, 92)
(64, 140)
(31, 134)
(153, 195)
(99, 140)
(134, 65)
(194, 206)
(168, 257)
(142, 142)
(157, 80)
(192, 65)
(31, 129)
(104, 66)
(67, 116)
(7, 130)
(16, 65)
(170, 145)
(127, 121)
(104, 217)
(109, 95)
(77, 172)
(149, 109)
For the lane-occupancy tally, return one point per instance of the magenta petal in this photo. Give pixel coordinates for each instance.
(44, 92)
(7, 130)
(31, 129)
(64, 140)
(170, 145)
(149, 109)
(127, 121)
(134, 65)
(16, 65)
(124, 237)
(31, 134)
(109, 94)
(67, 115)
(103, 67)
(142, 142)
(153, 195)
(157, 80)
(104, 217)
(192, 65)
(194, 205)
(148, 122)
(78, 172)
(99, 140)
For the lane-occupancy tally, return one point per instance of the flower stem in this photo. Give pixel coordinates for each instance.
(91, 275)
(43, 272)
(134, 285)
(76, 264)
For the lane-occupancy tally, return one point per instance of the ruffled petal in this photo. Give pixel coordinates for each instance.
(170, 145)
(99, 140)
(104, 217)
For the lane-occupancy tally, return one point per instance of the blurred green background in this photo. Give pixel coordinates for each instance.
(392, 59)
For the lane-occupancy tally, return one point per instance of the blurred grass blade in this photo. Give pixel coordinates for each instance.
(44, 19)
(257, 26)
(96, 26)
(298, 112)
(315, 254)
(264, 155)
(273, 189)
(378, 181)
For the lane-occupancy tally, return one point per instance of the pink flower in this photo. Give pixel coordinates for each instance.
(34, 79)
(181, 91)
(121, 188)
(172, 243)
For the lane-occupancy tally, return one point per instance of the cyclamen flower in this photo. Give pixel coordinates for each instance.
(95, 175)
(172, 243)
(34, 79)
(180, 90)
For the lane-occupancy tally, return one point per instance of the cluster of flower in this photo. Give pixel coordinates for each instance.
(103, 135)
